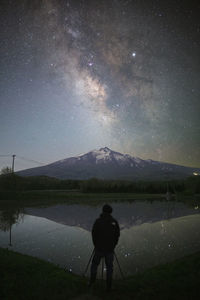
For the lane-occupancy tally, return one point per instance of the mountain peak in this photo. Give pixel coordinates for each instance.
(105, 149)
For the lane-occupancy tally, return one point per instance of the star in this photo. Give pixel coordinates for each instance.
(132, 82)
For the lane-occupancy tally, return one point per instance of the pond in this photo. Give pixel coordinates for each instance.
(151, 233)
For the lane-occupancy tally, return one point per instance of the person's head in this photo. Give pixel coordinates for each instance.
(107, 209)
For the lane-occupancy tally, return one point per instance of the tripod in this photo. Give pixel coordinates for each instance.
(103, 264)
(89, 262)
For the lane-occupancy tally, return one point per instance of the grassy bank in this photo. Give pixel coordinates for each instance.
(72, 197)
(24, 277)
(51, 197)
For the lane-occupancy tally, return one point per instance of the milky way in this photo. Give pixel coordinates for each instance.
(79, 75)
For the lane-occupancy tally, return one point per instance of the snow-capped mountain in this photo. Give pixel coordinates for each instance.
(108, 164)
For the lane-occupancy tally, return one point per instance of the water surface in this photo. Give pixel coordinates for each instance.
(151, 233)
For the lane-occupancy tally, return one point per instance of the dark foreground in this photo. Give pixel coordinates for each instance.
(24, 277)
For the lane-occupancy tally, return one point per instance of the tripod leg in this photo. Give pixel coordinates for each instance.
(102, 268)
(119, 265)
(88, 263)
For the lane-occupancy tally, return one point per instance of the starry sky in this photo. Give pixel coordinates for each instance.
(79, 75)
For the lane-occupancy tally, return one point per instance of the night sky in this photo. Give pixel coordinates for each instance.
(81, 75)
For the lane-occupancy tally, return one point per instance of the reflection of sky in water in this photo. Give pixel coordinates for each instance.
(61, 244)
(155, 243)
(145, 241)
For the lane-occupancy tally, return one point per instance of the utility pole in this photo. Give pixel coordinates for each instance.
(13, 163)
(10, 235)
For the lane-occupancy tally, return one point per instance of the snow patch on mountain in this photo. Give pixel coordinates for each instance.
(101, 155)
(137, 160)
(106, 154)
(120, 157)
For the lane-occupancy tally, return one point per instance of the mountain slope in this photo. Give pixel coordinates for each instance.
(107, 164)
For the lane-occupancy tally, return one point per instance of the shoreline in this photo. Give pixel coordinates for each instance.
(26, 277)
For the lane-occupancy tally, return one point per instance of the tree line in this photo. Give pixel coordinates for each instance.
(189, 185)
(13, 182)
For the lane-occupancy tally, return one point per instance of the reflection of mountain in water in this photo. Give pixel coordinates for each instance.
(127, 214)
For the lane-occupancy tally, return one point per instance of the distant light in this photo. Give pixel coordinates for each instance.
(134, 54)
(127, 254)
(195, 174)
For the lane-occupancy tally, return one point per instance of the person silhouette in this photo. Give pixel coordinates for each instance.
(105, 236)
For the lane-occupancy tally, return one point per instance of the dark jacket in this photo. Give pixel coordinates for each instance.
(105, 233)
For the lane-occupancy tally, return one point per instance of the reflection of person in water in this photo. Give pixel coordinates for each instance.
(105, 235)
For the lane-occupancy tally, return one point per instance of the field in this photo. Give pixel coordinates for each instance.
(24, 277)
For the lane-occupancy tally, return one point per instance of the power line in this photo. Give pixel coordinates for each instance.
(24, 158)
(31, 160)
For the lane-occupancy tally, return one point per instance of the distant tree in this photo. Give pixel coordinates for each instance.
(6, 170)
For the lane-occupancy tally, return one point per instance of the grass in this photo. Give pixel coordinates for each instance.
(24, 277)
(73, 197)
(52, 197)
